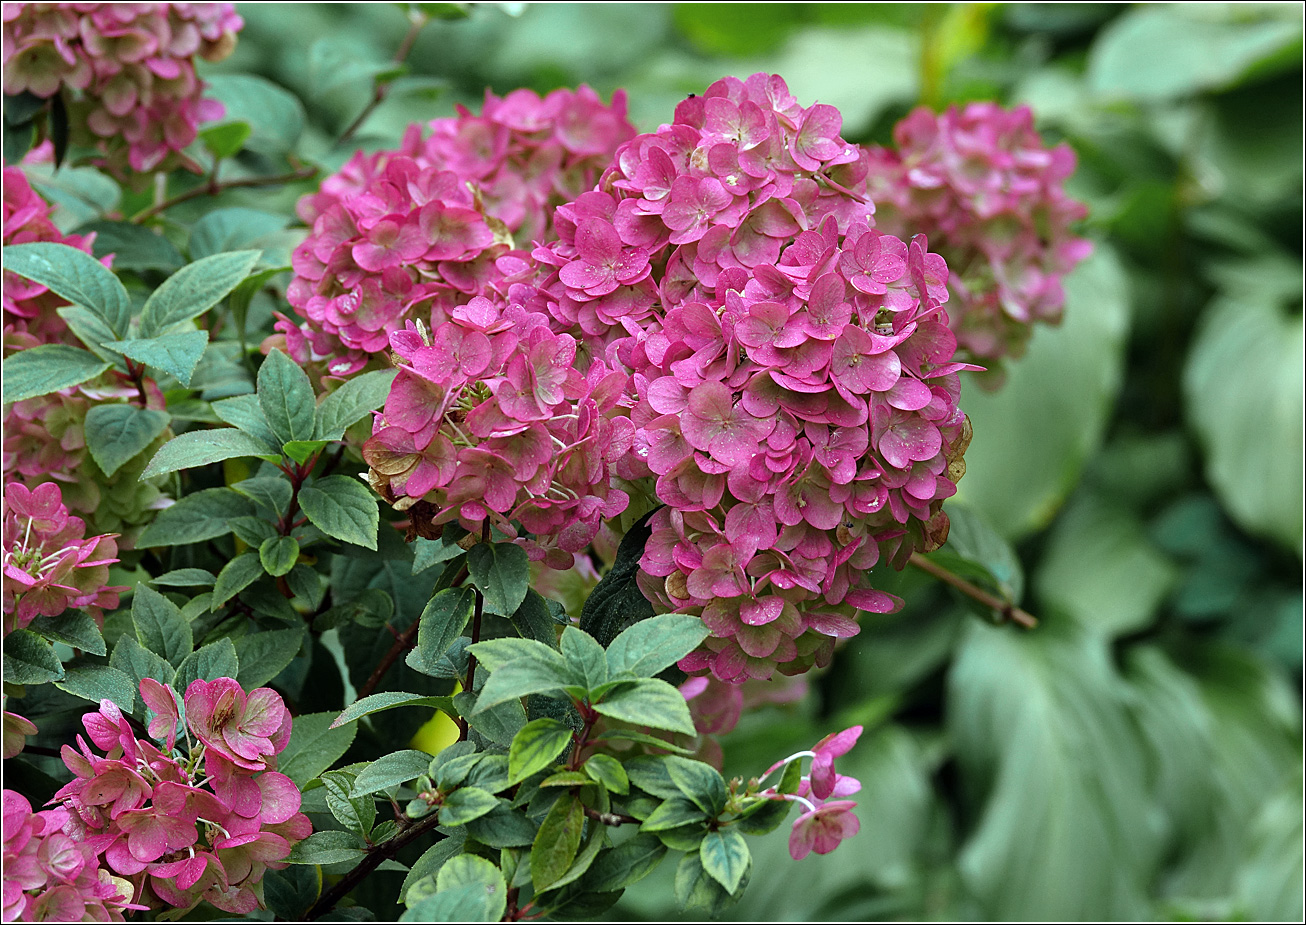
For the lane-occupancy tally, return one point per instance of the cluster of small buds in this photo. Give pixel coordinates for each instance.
(52, 875)
(30, 309)
(991, 193)
(829, 818)
(794, 388)
(129, 67)
(203, 823)
(489, 420)
(413, 233)
(50, 564)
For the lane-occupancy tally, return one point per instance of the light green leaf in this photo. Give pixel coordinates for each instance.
(342, 508)
(517, 679)
(648, 702)
(115, 434)
(351, 402)
(653, 644)
(271, 492)
(442, 621)
(725, 856)
(466, 804)
(194, 289)
(139, 663)
(275, 116)
(391, 770)
(223, 141)
(331, 847)
(278, 554)
(287, 399)
(388, 700)
(586, 658)
(536, 746)
(237, 228)
(47, 368)
(176, 353)
(557, 842)
(134, 247)
(608, 771)
(76, 276)
(245, 413)
(201, 447)
(478, 883)
(357, 814)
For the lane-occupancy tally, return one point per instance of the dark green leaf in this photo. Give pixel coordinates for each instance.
(208, 663)
(391, 770)
(275, 117)
(432, 859)
(245, 413)
(651, 645)
(536, 746)
(202, 516)
(100, 682)
(47, 368)
(520, 677)
(134, 247)
(617, 603)
(330, 847)
(342, 508)
(224, 230)
(725, 857)
(388, 700)
(264, 654)
(139, 663)
(271, 492)
(201, 447)
(176, 353)
(351, 402)
(627, 863)
(648, 702)
(160, 627)
(29, 659)
(672, 814)
(534, 621)
(502, 828)
(115, 434)
(427, 553)
(764, 819)
(699, 781)
(185, 578)
(76, 276)
(236, 576)
(313, 747)
(697, 890)
(585, 656)
(355, 813)
(287, 399)
(72, 627)
(290, 892)
(557, 842)
(502, 572)
(442, 622)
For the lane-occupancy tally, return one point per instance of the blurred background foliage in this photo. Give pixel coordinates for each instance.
(1137, 483)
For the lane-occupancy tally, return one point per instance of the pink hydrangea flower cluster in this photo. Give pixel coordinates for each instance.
(991, 193)
(50, 564)
(184, 825)
(489, 419)
(828, 818)
(410, 234)
(132, 67)
(51, 875)
(795, 392)
(30, 309)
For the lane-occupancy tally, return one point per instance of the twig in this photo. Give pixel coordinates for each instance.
(463, 725)
(382, 852)
(379, 90)
(403, 642)
(213, 187)
(1008, 610)
(609, 818)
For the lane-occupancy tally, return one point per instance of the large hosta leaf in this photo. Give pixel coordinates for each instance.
(1064, 828)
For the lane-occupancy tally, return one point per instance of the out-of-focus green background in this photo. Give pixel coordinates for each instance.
(1139, 755)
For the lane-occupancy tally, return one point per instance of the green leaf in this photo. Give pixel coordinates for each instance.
(700, 782)
(203, 515)
(223, 141)
(590, 849)
(291, 891)
(100, 682)
(648, 702)
(697, 890)
(536, 746)
(672, 814)
(427, 553)
(1160, 53)
(76, 276)
(47, 368)
(245, 413)
(208, 663)
(236, 576)
(139, 663)
(185, 578)
(617, 603)
(988, 558)
(502, 572)
(225, 230)
(625, 864)
(160, 627)
(520, 677)
(91, 330)
(314, 746)
(357, 814)
(278, 554)
(331, 847)
(1065, 822)
(72, 627)
(651, 645)
(275, 117)
(391, 770)
(432, 859)
(116, 434)
(388, 700)
(495, 653)
(301, 451)
(608, 771)
(497, 724)
(534, 620)
(478, 884)
(1033, 438)
(201, 447)
(342, 508)
(1243, 387)
(466, 804)
(442, 622)
(176, 353)
(82, 193)
(725, 856)
(263, 655)
(29, 659)
(763, 818)
(351, 402)
(134, 247)
(502, 828)
(272, 493)
(287, 399)
(557, 842)
(585, 656)
(194, 289)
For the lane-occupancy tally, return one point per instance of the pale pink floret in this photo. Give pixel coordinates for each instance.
(822, 829)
